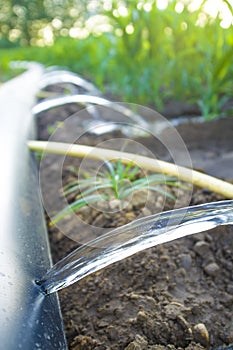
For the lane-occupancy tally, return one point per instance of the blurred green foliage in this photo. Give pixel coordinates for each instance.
(148, 55)
(22, 22)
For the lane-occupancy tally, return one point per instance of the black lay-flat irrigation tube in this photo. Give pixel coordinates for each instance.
(28, 320)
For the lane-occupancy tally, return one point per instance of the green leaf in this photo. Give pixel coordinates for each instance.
(82, 202)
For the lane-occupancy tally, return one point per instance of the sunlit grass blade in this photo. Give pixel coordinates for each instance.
(94, 189)
(82, 202)
(119, 169)
(70, 184)
(164, 192)
(157, 178)
(133, 189)
(131, 171)
(114, 177)
(82, 185)
(110, 168)
(71, 189)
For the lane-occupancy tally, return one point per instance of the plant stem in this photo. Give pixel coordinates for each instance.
(189, 175)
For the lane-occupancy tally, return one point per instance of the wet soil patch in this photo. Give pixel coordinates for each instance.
(177, 295)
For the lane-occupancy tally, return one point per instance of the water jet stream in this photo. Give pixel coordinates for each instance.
(132, 238)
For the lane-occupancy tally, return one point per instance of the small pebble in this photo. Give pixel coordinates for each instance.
(140, 198)
(159, 202)
(230, 289)
(212, 269)
(186, 261)
(196, 309)
(133, 346)
(141, 341)
(201, 248)
(102, 324)
(145, 212)
(208, 238)
(181, 272)
(138, 344)
(200, 334)
(142, 317)
(117, 204)
(199, 237)
(112, 333)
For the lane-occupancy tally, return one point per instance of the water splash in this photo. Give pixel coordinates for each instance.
(135, 237)
(89, 99)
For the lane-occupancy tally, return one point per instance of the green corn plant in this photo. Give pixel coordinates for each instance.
(117, 181)
(149, 55)
(213, 85)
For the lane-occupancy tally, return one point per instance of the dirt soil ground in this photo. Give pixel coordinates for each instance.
(177, 295)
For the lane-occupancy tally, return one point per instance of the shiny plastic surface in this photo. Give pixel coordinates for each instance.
(28, 319)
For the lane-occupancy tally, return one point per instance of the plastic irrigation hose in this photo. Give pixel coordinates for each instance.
(28, 320)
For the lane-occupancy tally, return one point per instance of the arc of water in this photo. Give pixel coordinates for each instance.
(55, 76)
(135, 237)
(84, 100)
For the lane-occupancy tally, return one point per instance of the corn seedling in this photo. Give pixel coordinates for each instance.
(116, 181)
